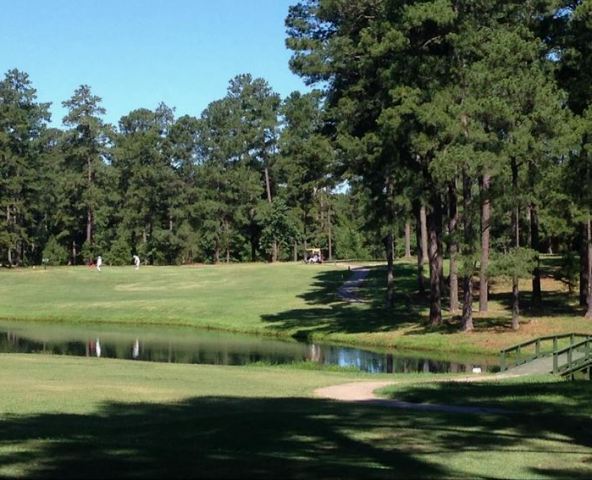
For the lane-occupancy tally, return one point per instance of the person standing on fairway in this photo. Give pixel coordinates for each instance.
(137, 262)
(99, 263)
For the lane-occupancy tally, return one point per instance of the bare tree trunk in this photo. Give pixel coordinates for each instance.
(589, 255)
(453, 249)
(424, 235)
(407, 239)
(305, 254)
(434, 222)
(295, 251)
(515, 304)
(516, 230)
(9, 253)
(467, 313)
(329, 234)
(485, 228)
(537, 297)
(390, 272)
(274, 247)
(390, 244)
(74, 253)
(89, 212)
(584, 261)
(253, 248)
(420, 258)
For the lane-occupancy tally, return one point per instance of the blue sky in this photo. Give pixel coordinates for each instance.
(136, 53)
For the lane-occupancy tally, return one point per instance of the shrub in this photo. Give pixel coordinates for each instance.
(54, 253)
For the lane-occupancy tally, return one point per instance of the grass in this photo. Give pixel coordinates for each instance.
(292, 300)
(97, 418)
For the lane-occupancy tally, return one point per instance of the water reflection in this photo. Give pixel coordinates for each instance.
(206, 347)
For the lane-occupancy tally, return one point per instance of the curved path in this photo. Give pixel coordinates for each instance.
(348, 291)
(364, 392)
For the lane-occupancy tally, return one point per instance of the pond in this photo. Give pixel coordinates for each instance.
(188, 345)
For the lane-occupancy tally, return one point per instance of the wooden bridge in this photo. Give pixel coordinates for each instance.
(564, 355)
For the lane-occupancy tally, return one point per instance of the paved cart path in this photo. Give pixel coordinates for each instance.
(363, 392)
(349, 290)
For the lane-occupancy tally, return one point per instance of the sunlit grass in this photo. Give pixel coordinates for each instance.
(293, 300)
(88, 418)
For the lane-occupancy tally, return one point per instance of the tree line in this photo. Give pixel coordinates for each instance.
(466, 122)
(248, 180)
(471, 119)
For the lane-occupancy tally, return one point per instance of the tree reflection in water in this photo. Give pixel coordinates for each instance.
(219, 349)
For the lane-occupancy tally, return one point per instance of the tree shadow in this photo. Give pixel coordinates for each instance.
(553, 304)
(534, 412)
(230, 437)
(336, 315)
(208, 437)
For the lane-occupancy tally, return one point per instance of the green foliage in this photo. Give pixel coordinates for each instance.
(120, 251)
(278, 225)
(570, 269)
(54, 253)
(516, 263)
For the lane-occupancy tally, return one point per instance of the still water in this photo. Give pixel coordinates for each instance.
(179, 345)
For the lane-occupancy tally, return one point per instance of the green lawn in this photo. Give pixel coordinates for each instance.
(97, 418)
(283, 299)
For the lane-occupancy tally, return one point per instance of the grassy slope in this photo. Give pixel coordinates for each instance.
(284, 299)
(97, 418)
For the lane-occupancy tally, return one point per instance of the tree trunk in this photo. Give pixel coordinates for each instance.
(407, 240)
(467, 313)
(295, 251)
(515, 304)
(390, 274)
(329, 234)
(74, 253)
(485, 226)
(9, 252)
(274, 247)
(537, 297)
(453, 248)
(253, 248)
(434, 222)
(584, 261)
(424, 235)
(304, 241)
(420, 258)
(390, 243)
(89, 212)
(516, 230)
(589, 265)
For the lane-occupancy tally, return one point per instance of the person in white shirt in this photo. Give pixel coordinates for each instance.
(99, 263)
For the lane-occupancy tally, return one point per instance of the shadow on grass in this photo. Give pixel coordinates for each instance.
(543, 410)
(225, 437)
(335, 315)
(210, 437)
(331, 315)
(554, 304)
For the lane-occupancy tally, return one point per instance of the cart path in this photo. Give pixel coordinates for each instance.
(349, 290)
(363, 392)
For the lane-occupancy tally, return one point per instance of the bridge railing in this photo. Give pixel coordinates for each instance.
(536, 348)
(570, 359)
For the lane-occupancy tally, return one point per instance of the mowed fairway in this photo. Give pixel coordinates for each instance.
(97, 418)
(233, 297)
(284, 299)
